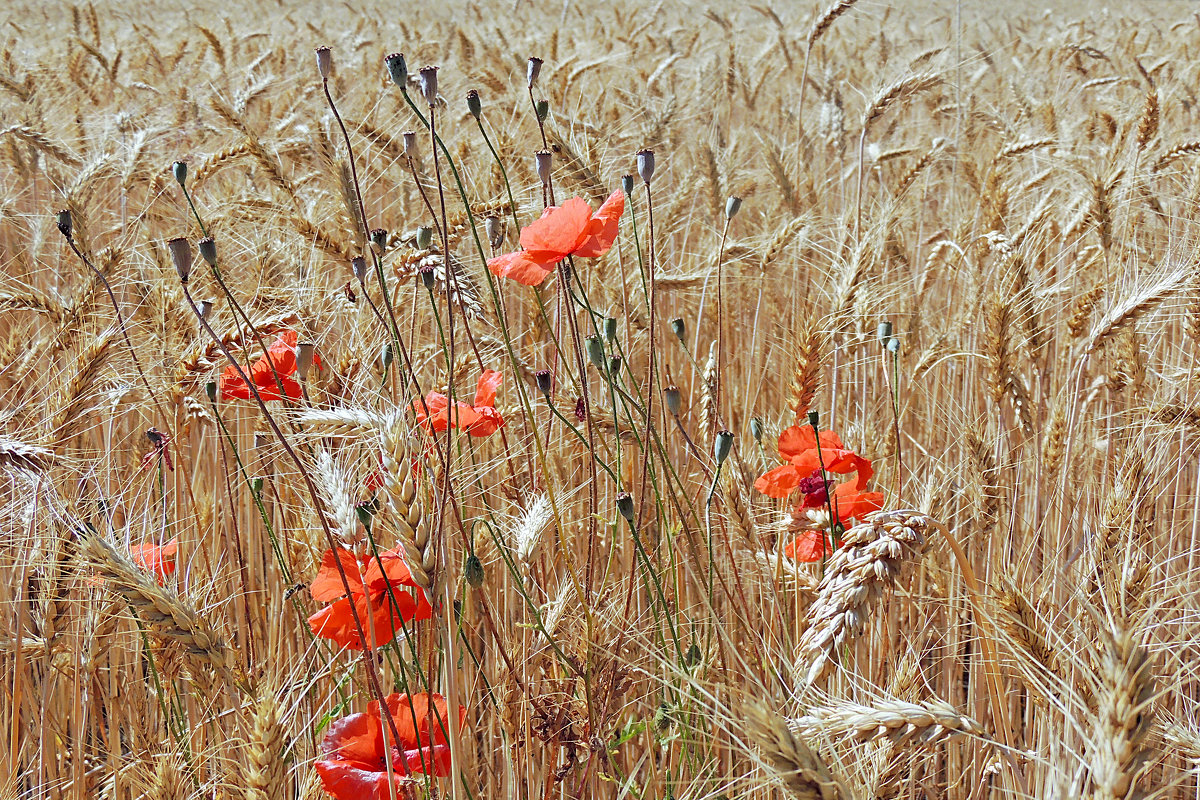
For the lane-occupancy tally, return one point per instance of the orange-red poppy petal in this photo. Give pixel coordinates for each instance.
(808, 547)
(799, 439)
(851, 503)
(487, 422)
(232, 385)
(158, 560)
(779, 482)
(521, 267)
(604, 226)
(422, 720)
(346, 780)
(486, 386)
(558, 232)
(357, 737)
(327, 586)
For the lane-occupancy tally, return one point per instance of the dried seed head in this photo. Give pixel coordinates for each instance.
(386, 357)
(410, 143)
(66, 225)
(397, 69)
(595, 351)
(424, 237)
(722, 445)
(205, 307)
(181, 257)
(885, 333)
(673, 400)
(179, 170)
(679, 328)
(358, 265)
(645, 165)
(545, 382)
(627, 184)
(494, 227)
(428, 279)
(625, 506)
(473, 104)
(533, 68)
(304, 359)
(542, 160)
(208, 250)
(429, 84)
(324, 62)
(732, 206)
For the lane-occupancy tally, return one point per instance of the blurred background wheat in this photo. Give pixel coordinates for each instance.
(1011, 193)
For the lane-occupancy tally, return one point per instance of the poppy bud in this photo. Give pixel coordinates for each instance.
(179, 169)
(428, 279)
(732, 206)
(210, 391)
(722, 445)
(885, 333)
(205, 307)
(542, 109)
(65, 224)
(595, 351)
(181, 257)
(814, 419)
(304, 359)
(756, 429)
(544, 381)
(678, 328)
(542, 160)
(397, 69)
(473, 571)
(645, 165)
(324, 62)
(379, 238)
(410, 143)
(256, 486)
(358, 265)
(673, 400)
(385, 357)
(429, 86)
(580, 409)
(494, 227)
(614, 365)
(625, 506)
(533, 68)
(363, 512)
(692, 658)
(610, 329)
(627, 184)
(424, 237)
(208, 250)
(893, 345)
(473, 104)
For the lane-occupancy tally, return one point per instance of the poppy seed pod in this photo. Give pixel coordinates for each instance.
(473, 571)
(885, 333)
(358, 265)
(181, 257)
(722, 445)
(410, 143)
(692, 657)
(814, 419)
(324, 62)
(304, 359)
(893, 345)
(210, 391)
(379, 238)
(732, 206)
(544, 381)
(66, 224)
(494, 227)
(542, 109)
(625, 506)
(645, 165)
(208, 250)
(385, 357)
(610, 329)
(756, 429)
(398, 69)
(533, 68)
(205, 307)
(627, 184)
(429, 85)
(679, 328)
(424, 237)
(428, 279)
(614, 365)
(179, 170)
(595, 351)
(542, 160)
(473, 104)
(673, 400)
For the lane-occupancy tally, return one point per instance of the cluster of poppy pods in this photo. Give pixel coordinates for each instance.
(809, 457)
(359, 748)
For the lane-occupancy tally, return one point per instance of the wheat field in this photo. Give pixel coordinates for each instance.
(833, 435)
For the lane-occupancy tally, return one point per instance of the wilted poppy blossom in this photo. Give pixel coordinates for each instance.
(479, 418)
(370, 579)
(356, 766)
(157, 559)
(567, 230)
(282, 354)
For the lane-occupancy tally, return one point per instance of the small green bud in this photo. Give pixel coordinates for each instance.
(424, 237)
(179, 170)
(625, 506)
(256, 486)
(814, 419)
(210, 391)
(208, 250)
(385, 357)
(610, 329)
(65, 224)
(679, 328)
(692, 658)
(397, 69)
(595, 351)
(732, 206)
(543, 110)
(614, 366)
(428, 279)
(722, 445)
(474, 105)
(473, 571)
(756, 429)
(673, 400)
(627, 184)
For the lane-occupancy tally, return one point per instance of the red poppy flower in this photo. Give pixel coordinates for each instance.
(799, 446)
(158, 560)
(808, 547)
(356, 769)
(567, 230)
(480, 418)
(369, 581)
(282, 354)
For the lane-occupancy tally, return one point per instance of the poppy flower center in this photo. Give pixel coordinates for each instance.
(814, 488)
